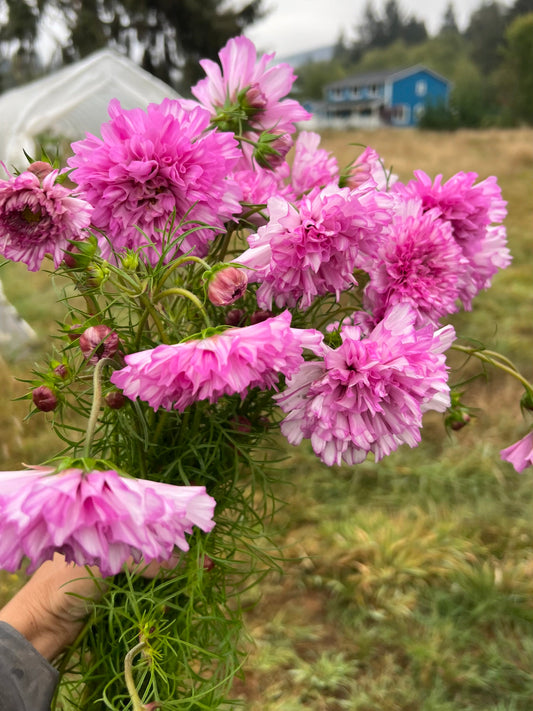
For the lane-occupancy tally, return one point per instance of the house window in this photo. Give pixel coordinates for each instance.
(418, 111)
(421, 87)
(400, 114)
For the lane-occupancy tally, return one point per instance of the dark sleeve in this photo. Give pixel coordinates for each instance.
(27, 680)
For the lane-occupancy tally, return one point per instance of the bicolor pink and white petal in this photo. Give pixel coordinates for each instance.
(154, 166)
(475, 211)
(311, 250)
(95, 518)
(228, 363)
(418, 262)
(369, 394)
(39, 217)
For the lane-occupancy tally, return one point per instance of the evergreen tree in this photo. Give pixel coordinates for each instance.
(485, 35)
(449, 22)
(169, 36)
(516, 77)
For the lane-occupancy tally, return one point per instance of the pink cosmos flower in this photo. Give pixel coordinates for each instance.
(234, 361)
(258, 185)
(39, 216)
(95, 518)
(249, 85)
(312, 167)
(474, 212)
(369, 394)
(520, 454)
(417, 262)
(151, 164)
(311, 250)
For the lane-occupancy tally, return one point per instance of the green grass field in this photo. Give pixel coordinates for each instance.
(408, 585)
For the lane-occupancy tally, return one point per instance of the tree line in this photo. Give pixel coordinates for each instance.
(489, 62)
(167, 38)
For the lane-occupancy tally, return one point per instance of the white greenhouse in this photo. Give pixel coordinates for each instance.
(67, 103)
(72, 101)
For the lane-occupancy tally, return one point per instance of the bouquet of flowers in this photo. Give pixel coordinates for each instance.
(217, 300)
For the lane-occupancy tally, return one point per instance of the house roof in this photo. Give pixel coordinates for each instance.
(382, 76)
(73, 101)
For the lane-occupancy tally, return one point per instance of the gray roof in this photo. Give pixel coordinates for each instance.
(381, 77)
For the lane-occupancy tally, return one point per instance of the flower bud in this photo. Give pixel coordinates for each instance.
(98, 342)
(260, 315)
(235, 317)
(61, 371)
(40, 168)
(130, 261)
(209, 563)
(226, 286)
(44, 399)
(115, 400)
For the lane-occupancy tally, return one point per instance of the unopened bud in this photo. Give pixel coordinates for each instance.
(226, 286)
(98, 342)
(115, 400)
(209, 563)
(130, 261)
(40, 168)
(44, 399)
(259, 316)
(61, 371)
(235, 317)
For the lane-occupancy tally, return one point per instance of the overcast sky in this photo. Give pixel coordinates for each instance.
(294, 26)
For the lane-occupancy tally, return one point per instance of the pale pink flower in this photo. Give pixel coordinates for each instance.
(520, 454)
(226, 286)
(150, 165)
(312, 167)
(368, 169)
(39, 217)
(474, 211)
(417, 262)
(311, 250)
(95, 518)
(230, 362)
(369, 394)
(247, 83)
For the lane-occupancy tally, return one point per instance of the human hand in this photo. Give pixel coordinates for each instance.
(49, 610)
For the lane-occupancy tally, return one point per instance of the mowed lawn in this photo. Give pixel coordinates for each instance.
(407, 585)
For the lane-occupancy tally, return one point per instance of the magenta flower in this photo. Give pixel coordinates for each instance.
(312, 167)
(305, 252)
(369, 394)
(520, 454)
(39, 217)
(95, 518)
(150, 165)
(417, 262)
(248, 85)
(474, 212)
(230, 362)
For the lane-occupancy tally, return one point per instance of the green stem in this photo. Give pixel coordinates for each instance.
(67, 656)
(128, 675)
(179, 291)
(97, 403)
(491, 359)
(153, 313)
(176, 264)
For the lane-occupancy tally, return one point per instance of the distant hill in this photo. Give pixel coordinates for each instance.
(320, 54)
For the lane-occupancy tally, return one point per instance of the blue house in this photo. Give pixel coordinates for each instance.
(396, 97)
